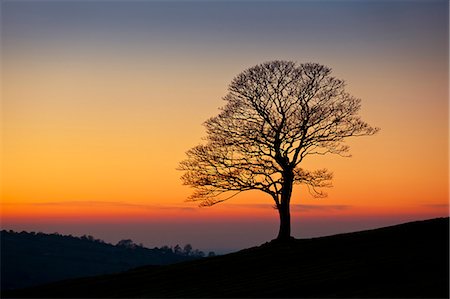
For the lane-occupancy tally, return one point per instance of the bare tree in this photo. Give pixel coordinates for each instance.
(187, 250)
(277, 113)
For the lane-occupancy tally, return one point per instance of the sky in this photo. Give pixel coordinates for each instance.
(101, 100)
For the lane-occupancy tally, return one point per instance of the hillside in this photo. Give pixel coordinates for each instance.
(408, 260)
(29, 258)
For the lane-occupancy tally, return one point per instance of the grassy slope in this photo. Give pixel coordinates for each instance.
(409, 260)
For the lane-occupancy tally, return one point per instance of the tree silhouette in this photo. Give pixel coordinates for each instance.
(277, 113)
(187, 250)
(127, 243)
(177, 249)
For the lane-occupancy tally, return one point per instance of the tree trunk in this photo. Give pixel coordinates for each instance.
(284, 207)
(284, 233)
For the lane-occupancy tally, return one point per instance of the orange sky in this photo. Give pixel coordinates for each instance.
(121, 141)
(95, 121)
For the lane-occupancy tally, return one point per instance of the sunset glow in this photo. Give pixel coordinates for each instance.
(100, 101)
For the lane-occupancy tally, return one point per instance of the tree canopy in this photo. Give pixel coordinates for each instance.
(276, 114)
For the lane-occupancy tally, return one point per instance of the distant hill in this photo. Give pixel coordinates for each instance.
(29, 258)
(409, 260)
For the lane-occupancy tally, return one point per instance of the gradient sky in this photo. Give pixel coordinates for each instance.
(100, 101)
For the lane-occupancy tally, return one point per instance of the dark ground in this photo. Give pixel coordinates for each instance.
(404, 261)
